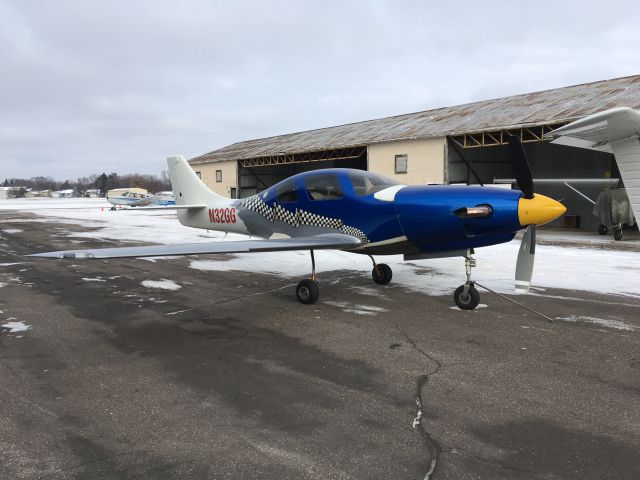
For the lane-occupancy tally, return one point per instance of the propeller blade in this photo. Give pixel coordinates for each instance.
(526, 256)
(521, 168)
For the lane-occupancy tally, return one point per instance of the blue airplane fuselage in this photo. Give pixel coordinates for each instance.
(415, 219)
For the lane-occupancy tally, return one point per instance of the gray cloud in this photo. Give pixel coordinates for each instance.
(117, 86)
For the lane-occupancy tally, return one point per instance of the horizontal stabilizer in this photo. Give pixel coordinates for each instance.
(337, 241)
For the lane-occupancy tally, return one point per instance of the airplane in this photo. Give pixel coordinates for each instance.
(130, 197)
(359, 212)
(163, 198)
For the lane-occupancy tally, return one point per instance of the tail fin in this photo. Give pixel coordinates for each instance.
(188, 189)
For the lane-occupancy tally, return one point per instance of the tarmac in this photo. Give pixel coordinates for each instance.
(229, 377)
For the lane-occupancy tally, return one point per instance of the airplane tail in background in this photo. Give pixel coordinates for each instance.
(188, 189)
(616, 131)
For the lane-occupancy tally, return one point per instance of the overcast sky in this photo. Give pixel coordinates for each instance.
(92, 86)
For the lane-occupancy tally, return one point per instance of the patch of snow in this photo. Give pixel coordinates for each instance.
(16, 326)
(179, 311)
(11, 230)
(2, 284)
(369, 291)
(617, 324)
(10, 263)
(368, 310)
(162, 283)
(97, 279)
(480, 305)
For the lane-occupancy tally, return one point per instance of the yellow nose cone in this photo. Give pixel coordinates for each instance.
(538, 210)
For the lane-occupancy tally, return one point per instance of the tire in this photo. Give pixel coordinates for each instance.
(617, 234)
(382, 274)
(308, 291)
(602, 230)
(470, 302)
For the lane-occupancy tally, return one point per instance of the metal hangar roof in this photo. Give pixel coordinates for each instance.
(531, 109)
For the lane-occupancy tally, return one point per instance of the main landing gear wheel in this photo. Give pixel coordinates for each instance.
(382, 273)
(308, 291)
(467, 301)
(602, 230)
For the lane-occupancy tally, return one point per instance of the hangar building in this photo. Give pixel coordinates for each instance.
(444, 145)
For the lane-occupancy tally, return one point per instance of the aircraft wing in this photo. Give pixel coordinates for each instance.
(617, 131)
(166, 207)
(597, 130)
(336, 241)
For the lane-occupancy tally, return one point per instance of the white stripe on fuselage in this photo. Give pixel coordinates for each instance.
(388, 194)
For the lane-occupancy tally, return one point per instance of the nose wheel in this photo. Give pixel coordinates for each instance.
(381, 273)
(467, 296)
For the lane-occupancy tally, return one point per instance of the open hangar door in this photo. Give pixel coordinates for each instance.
(547, 160)
(256, 175)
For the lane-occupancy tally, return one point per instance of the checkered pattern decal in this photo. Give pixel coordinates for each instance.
(256, 204)
(308, 218)
(355, 232)
(284, 215)
(300, 217)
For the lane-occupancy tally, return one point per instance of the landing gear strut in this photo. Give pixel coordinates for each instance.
(307, 290)
(467, 296)
(381, 272)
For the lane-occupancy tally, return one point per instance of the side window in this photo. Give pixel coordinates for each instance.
(401, 163)
(366, 183)
(359, 183)
(323, 187)
(286, 192)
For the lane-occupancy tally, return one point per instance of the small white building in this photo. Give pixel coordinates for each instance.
(92, 193)
(63, 193)
(11, 192)
(4, 192)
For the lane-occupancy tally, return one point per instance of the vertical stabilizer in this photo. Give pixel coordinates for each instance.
(188, 189)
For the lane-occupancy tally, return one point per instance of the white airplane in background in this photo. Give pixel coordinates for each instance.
(130, 197)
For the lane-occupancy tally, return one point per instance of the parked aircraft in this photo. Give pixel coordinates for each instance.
(359, 212)
(130, 197)
(163, 199)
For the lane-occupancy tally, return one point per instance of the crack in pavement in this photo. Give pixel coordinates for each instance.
(432, 445)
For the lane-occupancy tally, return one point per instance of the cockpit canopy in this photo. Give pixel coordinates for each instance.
(366, 183)
(329, 185)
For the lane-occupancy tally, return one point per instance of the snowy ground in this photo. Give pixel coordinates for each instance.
(578, 268)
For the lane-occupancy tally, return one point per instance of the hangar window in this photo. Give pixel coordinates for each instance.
(286, 192)
(218, 175)
(401, 163)
(199, 175)
(366, 183)
(323, 187)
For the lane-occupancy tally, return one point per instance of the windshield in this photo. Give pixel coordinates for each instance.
(366, 183)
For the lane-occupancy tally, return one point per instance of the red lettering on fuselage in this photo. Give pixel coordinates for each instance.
(222, 215)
